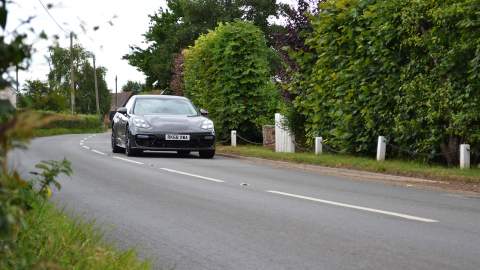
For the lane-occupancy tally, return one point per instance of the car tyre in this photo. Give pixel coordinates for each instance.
(129, 151)
(115, 147)
(207, 153)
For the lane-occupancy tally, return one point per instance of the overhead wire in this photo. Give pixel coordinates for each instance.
(51, 17)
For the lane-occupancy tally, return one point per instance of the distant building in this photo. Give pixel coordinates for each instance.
(118, 100)
(9, 94)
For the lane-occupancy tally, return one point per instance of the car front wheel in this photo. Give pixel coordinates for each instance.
(115, 147)
(129, 151)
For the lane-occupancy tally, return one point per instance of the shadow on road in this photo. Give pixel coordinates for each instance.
(154, 154)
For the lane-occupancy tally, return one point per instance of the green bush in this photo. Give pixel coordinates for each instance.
(407, 70)
(68, 121)
(227, 73)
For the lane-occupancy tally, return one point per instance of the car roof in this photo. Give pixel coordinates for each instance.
(160, 97)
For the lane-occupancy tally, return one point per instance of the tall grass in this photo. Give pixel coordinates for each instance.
(54, 240)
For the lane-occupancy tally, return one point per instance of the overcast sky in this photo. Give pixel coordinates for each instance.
(109, 43)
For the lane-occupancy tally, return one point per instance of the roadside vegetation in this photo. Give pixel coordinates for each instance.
(346, 70)
(395, 167)
(247, 96)
(55, 240)
(53, 94)
(406, 70)
(34, 234)
(69, 124)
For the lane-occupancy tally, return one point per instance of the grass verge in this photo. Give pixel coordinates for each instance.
(395, 167)
(54, 240)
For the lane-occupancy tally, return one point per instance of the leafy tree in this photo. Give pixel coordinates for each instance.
(38, 95)
(132, 86)
(178, 26)
(60, 75)
(227, 72)
(289, 43)
(14, 50)
(404, 69)
(85, 90)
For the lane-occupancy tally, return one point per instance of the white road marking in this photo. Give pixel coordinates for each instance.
(86, 147)
(81, 143)
(98, 152)
(129, 160)
(193, 175)
(355, 207)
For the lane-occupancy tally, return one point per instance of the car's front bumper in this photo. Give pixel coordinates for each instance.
(157, 142)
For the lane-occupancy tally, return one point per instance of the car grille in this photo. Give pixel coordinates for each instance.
(158, 141)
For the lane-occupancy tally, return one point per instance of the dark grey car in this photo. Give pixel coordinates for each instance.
(162, 123)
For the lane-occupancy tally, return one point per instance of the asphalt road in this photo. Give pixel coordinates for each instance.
(191, 213)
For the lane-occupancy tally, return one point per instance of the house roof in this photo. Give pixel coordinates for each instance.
(121, 99)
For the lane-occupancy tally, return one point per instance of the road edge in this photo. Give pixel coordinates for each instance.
(358, 175)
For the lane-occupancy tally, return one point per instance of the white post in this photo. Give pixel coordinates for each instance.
(278, 136)
(465, 156)
(381, 147)
(318, 145)
(283, 139)
(233, 138)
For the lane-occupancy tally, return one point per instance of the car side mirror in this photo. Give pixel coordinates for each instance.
(203, 112)
(122, 110)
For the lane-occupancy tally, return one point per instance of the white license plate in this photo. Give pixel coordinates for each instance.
(177, 137)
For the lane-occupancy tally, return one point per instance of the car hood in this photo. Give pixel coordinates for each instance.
(175, 123)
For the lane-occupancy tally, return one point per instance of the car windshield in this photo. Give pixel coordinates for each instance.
(163, 106)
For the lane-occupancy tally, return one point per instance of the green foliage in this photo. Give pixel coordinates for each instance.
(178, 26)
(37, 95)
(68, 121)
(85, 92)
(14, 50)
(132, 86)
(16, 193)
(59, 84)
(227, 73)
(55, 240)
(404, 69)
(50, 169)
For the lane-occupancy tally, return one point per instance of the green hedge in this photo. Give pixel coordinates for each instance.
(405, 69)
(227, 73)
(68, 121)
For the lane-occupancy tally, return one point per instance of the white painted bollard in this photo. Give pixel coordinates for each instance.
(233, 138)
(318, 145)
(465, 156)
(381, 148)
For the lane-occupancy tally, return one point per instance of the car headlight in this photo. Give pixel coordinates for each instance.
(207, 124)
(140, 123)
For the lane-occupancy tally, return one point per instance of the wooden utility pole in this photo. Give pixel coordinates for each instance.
(96, 86)
(72, 79)
(16, 79)
(116, 94)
